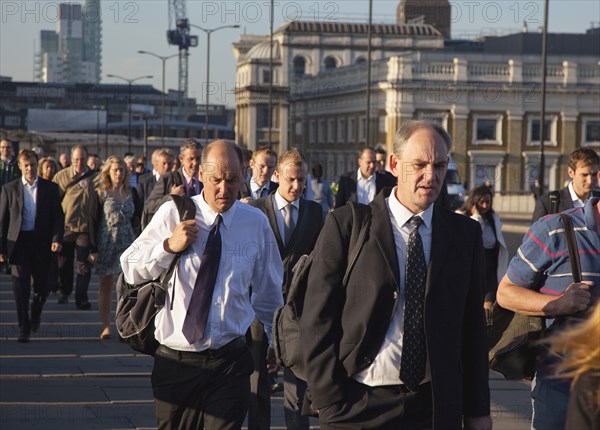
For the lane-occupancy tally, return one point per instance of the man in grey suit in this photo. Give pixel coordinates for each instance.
(183, 181)
(31, 226)
(583, 165)
(161, 164)
(402, 343)
(296, 223)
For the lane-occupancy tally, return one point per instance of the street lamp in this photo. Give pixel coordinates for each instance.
(208, 32)
(129, 82)
(162, 98)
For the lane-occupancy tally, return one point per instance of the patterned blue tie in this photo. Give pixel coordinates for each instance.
(199, 307)
(414, 355)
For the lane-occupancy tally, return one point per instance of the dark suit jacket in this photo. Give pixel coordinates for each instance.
(161, 192)
(246, 191)
(146, 183)
(347, 186)
(542, 204)
(347, 326)
(308, 226)
(49, 217)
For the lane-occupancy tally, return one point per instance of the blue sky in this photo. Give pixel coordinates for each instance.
(129, 26)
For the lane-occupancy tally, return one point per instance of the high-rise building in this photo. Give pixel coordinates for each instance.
(92, 36)
(73, 52)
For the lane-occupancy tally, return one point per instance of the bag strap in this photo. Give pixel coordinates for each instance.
(572, 245)
(77, 180)
(361, 222)
(187, 210)
(554, 201)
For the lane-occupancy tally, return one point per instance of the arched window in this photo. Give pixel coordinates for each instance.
(330, 63)
(299, 67)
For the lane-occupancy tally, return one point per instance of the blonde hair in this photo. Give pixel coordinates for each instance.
(580, 348)
(105, 181)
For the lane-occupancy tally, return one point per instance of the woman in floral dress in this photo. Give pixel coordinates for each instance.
(118, 218)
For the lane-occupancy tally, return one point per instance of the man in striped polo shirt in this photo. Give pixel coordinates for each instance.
(539, 282)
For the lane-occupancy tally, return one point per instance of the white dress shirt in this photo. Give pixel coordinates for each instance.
(385, 369)
(254, 188)
(577, 202)
(365, 188)
(279, 203)
(249, 257)
(29, 204)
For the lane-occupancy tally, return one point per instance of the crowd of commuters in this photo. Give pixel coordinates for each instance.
(398, 343)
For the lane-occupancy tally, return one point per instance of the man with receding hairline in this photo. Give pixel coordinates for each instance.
(204, 340)
(402, 343)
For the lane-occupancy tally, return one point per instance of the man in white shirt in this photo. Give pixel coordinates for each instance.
(31, 227)
(205, 379)
(402, 343)
(363, 185)
(262, 165)
(583, 165)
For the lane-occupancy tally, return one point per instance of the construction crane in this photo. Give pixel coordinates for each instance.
(179, 34)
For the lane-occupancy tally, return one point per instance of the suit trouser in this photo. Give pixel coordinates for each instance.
(293, 399)
(384, 408)
(259, 410)
(29, 260)
(79, 243)
(196, 390)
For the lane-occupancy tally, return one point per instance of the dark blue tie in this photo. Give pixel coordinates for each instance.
(414, 355)
(196, 316)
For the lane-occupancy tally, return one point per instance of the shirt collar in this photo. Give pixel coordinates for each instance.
(254, 186)
(360, 177)
(209, 216)
(188, 178)
(74, 174)
(402, 215)
(280, 202)
(26, 184)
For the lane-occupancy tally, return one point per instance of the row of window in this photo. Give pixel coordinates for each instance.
(329, 63)
(487, 130)
(341, 130)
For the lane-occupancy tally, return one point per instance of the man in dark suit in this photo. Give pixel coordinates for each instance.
(183, 181)
(296, 223)
(31, 226)
(583, 165)
(402, 345)
(363, 185)
(262, 164)
(161, 163)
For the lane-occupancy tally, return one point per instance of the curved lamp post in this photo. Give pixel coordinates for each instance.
(162, 98)
(208, 32)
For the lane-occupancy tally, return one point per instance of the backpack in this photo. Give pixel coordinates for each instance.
(286, 321)
(137, 305)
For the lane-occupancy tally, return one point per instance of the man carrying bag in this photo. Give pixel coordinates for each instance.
(540, 282)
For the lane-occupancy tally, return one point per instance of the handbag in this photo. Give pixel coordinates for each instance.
(513, 338)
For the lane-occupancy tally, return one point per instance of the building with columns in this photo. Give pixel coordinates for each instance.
(487, 93)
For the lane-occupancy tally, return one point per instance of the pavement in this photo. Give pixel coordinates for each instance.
(68, 379)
